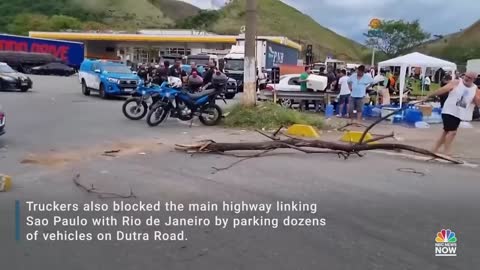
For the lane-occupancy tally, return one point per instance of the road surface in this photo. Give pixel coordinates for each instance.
(377, 216)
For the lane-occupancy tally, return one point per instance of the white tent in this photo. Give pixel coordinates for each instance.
(415, 60)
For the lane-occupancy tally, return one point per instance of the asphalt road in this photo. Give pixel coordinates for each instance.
(377, 217)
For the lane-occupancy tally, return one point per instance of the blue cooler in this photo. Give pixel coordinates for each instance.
(413, 115)
(367, 111)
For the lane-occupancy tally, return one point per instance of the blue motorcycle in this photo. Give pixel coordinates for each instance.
(185, 106)
(137, 106)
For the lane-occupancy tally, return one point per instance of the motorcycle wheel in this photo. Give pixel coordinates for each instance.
(214, 115)
(156, 116)
(135, 112)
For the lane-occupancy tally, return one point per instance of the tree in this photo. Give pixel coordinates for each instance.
(395, 37)
(204, 20)
(25, 22)
(61, 22)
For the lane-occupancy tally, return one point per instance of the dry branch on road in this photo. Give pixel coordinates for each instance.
(306, 146)
(101, 194)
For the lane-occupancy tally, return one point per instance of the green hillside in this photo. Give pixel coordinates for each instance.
(176, 10)
(458, 47)
(20, 16)
(278, 18)
(274, 18)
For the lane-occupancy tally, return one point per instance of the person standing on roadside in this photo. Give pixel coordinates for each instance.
(303, 86)
(344, 96)
(358, 84)
(463, 95)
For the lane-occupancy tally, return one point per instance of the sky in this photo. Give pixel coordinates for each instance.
(350, 18)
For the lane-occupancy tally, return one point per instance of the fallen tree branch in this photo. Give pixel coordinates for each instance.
(276, 132)
(101, 195)
(273, 138)
(300, 143)
(376, 123)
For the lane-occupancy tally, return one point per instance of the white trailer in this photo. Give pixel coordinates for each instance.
(473, 65)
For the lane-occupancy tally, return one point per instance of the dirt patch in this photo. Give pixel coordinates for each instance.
(115, 150)
(45, 160)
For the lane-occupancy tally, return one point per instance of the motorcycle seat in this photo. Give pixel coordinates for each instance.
(201, 94)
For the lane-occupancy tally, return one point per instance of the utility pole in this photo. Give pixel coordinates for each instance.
(250, 75)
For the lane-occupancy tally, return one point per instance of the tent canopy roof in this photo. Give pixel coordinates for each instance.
(417, 59)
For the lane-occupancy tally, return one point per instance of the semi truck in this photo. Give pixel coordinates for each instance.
(70, 53)
(269, 54)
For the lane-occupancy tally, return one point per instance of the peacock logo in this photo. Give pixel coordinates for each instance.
(446, 243)
(446, 236)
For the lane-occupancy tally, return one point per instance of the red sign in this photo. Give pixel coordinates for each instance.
(59, 51)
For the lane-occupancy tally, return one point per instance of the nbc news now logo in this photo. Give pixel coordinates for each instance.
(446, 243)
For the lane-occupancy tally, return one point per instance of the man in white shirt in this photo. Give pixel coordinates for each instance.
(463, 95)
(344, 96)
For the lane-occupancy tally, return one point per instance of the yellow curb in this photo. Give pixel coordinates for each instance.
(302, 131)
(354, 136)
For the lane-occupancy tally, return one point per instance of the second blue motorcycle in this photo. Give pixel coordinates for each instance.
(185, 106)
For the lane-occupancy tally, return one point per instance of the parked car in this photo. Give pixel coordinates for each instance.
(291, 82)
(231, 88)
(12, 80)
(53, 69)
(2, 122)
(107, 78)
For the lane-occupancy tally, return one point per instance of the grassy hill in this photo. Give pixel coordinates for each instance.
(274, 18)
(176, 10)
(278, 18)
(19, 16)
(457, 47)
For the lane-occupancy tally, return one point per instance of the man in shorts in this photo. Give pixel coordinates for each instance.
(358, 84)
(463, 95)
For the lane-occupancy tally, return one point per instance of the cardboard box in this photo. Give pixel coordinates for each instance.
(426, 109)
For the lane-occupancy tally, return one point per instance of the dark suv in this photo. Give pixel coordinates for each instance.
(11, 79)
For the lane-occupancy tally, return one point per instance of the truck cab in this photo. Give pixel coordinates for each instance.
(234, 65)
(107, 78)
